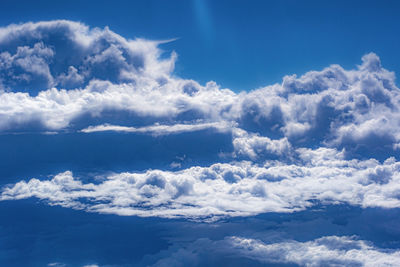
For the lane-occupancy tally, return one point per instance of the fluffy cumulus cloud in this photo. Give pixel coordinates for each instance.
(329, 136)
(235, 189)
(39, 56)
(44, 87)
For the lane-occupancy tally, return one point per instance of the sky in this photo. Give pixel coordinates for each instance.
(199, 133)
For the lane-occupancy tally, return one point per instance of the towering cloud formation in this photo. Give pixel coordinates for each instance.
(65, 54)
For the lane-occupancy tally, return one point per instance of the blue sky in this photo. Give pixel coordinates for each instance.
(175, 133)
(223, 40)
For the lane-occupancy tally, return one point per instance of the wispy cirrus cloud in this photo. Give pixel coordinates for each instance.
(160, 129)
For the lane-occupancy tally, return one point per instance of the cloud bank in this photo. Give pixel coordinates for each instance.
(328, 251)
(235, 189)
(324, 251)
(330, 136)
(110, 75)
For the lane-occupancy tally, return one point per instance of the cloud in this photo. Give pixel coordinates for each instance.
(28, 66)
(329, 250)
(37, 56)
(226, 189)
(57, 264)
(110, 76)
(55, 109)
(157, 130)
(255, 147)
(322, 136)
(175, 148)
(324, 251)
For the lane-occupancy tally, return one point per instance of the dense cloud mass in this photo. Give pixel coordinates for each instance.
(108, 128)
(45, 88)
(329, 136)
(39, 56)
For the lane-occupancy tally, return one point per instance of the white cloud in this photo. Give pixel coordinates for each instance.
(29, 65)
(56, 108)
(325, 251)
(335, 112)
(333, 107)
(161, 129)
(254, 146)
(321, 137)
(235, 189)
(71, 54)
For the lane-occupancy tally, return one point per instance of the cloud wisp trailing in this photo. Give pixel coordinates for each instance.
(160, 129)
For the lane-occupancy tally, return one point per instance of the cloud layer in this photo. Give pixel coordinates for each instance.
(235, 189)
(324, 251)
(106, 127)
(110, 75)
(329, 136)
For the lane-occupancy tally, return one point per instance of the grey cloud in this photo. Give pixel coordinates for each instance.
(29, 66)
(41, 55)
